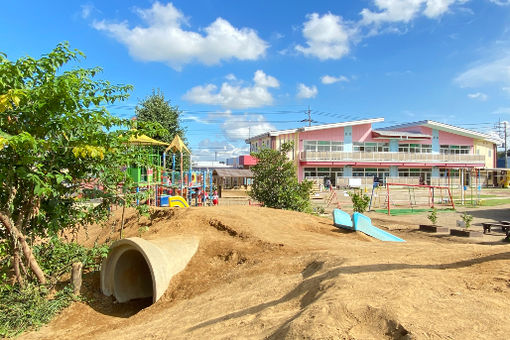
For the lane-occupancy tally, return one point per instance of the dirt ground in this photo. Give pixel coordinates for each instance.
(265, 273)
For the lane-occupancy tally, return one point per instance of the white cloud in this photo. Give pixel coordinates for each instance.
(307, 92)
(506, 89)
(494, 71)
(164, 39)
(241, 127)
(502, 110)
(208, 150)
(231, 77)
(393, 11)
(478, 95)
(501, 2)
(235, 96)
(87, 10)
(327, 79)
(327, 37)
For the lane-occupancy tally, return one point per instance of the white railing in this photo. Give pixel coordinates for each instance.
(407, 157)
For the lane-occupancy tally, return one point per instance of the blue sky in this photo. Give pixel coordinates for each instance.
(240, 68)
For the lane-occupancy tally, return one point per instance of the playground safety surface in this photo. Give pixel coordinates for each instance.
(265, 273)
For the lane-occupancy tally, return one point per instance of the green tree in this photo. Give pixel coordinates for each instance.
(275, 183)
(156, 109)
(56, 135)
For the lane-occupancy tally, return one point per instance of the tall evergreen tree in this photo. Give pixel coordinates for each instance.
(155, 108)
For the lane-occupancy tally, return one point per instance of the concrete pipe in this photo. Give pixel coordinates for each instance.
(137, 268)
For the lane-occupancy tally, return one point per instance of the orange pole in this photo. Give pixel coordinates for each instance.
(451, 199)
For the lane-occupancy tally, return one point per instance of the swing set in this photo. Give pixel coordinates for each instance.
(413, 196)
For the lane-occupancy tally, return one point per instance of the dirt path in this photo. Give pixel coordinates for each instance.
(264, 273)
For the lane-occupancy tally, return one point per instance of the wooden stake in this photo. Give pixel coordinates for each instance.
(76, 277)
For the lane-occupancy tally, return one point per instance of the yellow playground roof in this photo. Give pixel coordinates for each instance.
(177, 145)
(145, 140)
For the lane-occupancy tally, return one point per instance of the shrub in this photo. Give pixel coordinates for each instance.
(33, 305)
(360, 201)
(275, 183)
(27, 307)
(433, 216)
(467, 219)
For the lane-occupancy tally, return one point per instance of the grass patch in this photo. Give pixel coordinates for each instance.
(457, 197)
(409, 211)
(491, 203)
(31, 306)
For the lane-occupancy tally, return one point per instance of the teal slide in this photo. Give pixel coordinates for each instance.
(341, 219)
(362, 223)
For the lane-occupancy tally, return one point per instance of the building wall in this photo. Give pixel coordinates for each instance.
(444, 137)
(260, 143)
(363, 133)
(487, 149)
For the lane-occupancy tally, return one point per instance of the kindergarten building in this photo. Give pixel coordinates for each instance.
(425, 152)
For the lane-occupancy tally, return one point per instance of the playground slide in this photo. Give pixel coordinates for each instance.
(178, 201)
(364, 224)
(341, 219)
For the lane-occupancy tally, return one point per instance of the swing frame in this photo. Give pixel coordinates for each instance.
(431, 193)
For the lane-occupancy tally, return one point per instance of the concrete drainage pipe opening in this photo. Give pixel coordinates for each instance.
(136, 268)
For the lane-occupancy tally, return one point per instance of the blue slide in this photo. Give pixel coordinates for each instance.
(362, 223)
(341, 219)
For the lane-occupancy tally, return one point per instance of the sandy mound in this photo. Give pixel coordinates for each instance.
(265, 273)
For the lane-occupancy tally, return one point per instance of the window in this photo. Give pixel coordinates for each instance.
(370, 147)
(337, 146)
(415, 148)
(358, 147)
(455, 149)
(403, 148)
(323, 146)
(358, 172)
(383, 147)
(310, 172)
(310, 145)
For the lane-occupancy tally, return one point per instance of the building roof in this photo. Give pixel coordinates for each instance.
(341, 124)
(233, 173)
(271, 134)
(399, 134)
(315, 127)
(448, 128)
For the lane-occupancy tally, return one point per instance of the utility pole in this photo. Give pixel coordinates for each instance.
(503, 134)
(506, 158)
(309, 119)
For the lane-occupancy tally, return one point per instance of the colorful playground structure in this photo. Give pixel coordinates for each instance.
(170, 187)
(362, 223)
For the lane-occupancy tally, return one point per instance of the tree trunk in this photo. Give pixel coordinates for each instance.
(27, 251)
(17, 262)
(76, 277)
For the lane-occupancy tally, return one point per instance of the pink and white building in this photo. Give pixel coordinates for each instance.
(425, 149)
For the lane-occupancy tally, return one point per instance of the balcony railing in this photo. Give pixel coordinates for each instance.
(406, 157)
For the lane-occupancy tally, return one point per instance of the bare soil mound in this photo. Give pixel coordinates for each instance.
(265, 273)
